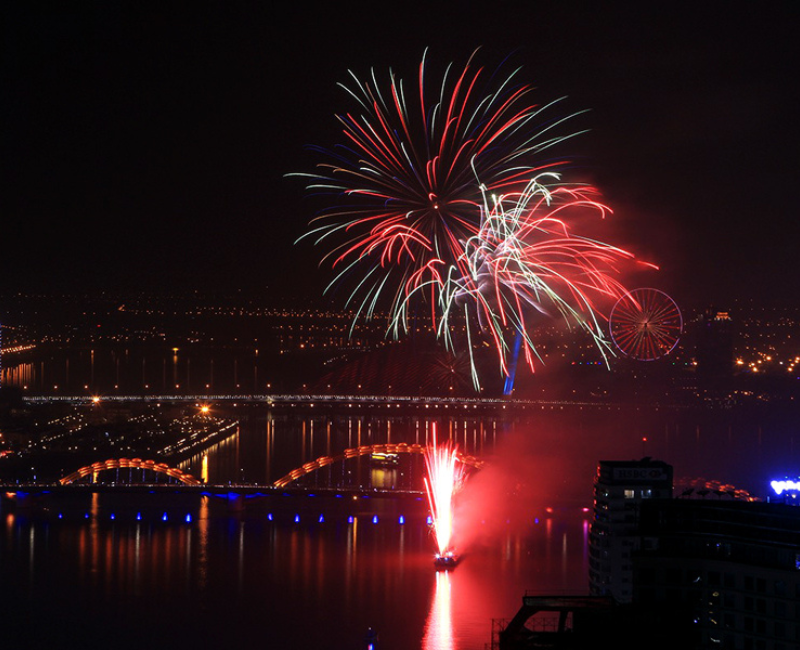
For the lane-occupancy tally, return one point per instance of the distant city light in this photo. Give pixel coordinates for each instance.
(785, 485)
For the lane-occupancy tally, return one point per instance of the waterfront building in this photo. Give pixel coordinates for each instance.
(620, 488)
(733, 567)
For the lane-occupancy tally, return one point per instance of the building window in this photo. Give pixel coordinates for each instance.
(629, 494)
(673, 575)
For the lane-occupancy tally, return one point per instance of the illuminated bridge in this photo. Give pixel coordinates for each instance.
(342, 401)
(92, 471)
(365, 450)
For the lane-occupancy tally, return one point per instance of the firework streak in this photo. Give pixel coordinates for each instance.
(445, 477)
(525, 263)
(444, 204)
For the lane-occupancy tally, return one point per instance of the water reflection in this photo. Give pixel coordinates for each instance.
(344, 566)
(439, 626)
(758, 442)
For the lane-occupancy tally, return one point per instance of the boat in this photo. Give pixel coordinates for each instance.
(383, 459)
(447, 561)
(371, 639)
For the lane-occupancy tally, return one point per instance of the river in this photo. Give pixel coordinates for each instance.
(289, 571)
(319, 571)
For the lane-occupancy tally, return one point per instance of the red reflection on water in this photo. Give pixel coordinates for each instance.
(439, 626)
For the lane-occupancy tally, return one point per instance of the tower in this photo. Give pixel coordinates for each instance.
(619, 489)
(715, 345)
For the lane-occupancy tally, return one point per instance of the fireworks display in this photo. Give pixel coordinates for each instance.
(406, 179)
(445, 206)
(525, 263)
(445, 477)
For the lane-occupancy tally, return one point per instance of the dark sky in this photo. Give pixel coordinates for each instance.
(146, 144)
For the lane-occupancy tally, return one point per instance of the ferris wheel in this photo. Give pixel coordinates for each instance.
(645, 324)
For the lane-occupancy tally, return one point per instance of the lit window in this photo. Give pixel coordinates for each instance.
(629, 494)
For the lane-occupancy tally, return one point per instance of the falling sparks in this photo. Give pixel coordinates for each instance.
(446, 475)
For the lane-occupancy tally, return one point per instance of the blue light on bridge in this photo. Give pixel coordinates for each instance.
(188, 518)
(138, 516)
(113, 516)
(429, 520)
(297, 519)
(269, 516)
(321, 519)
(375, 519)
(350, 519)
(402, 520)
(164, 517)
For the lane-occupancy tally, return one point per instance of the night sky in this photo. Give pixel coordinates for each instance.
(145, 145)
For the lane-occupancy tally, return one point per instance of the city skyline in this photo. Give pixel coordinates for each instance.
(200, 446)
(149, 148)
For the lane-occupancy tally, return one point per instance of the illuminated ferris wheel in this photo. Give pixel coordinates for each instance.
(645, 324)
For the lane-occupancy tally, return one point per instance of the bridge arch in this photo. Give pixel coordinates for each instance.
(365, 450)
(135, 463)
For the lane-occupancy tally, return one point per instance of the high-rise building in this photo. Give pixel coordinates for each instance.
(731, 569)
(620, 487)
(714, 350)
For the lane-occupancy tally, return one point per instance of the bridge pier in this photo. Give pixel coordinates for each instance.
(235, 503)
(19, 501)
